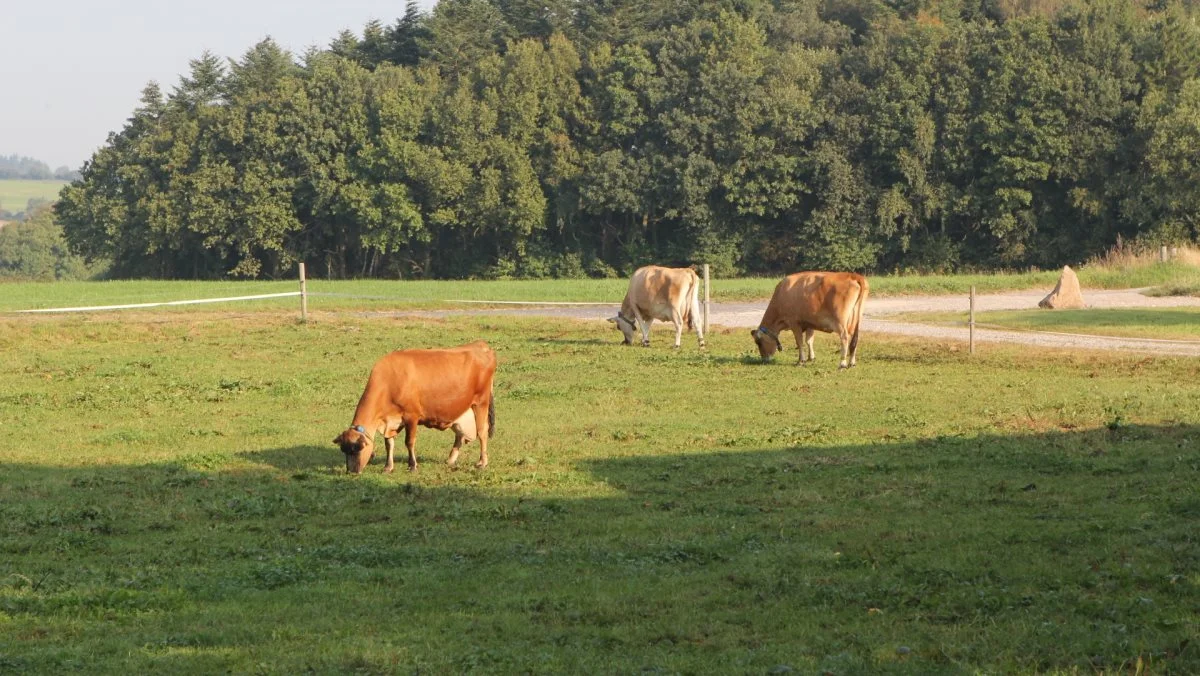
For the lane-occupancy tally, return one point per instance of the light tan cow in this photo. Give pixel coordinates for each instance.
(668, 294)
(435, 388)
(814, 301)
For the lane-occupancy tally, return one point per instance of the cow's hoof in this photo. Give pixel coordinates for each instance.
(389, 469)
(481, 464)
(842, 366)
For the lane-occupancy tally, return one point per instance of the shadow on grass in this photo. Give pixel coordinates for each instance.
(810, 555)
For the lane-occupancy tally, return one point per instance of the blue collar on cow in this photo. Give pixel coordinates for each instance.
(775, 336)
(360, 429)
(627, 319)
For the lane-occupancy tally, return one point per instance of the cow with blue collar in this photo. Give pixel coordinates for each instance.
(814, 301)
(440, 389)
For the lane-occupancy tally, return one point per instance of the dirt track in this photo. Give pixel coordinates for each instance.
(876, 319)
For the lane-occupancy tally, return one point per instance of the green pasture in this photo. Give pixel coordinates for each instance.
(1171, 323)
(170, 502)
(388, 294)
(16, 193)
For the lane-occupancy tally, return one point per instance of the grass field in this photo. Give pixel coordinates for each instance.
(16, 193)
(170, 502)
(384, 294)
(1177, 323)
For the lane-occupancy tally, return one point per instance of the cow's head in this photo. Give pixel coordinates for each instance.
(767, 342)
(626, 325)
(358, 445)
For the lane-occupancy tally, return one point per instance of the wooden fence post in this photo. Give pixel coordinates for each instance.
(303, 296)
(706, 299)
(1162, 254)
(971, 324)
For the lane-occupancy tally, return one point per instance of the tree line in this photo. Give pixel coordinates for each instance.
(502, 138)
(21, 167)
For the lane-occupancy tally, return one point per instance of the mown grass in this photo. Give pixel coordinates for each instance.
(1179, 288)
(170, 502)
(16, 193)
(385, 294)
(1176, 323)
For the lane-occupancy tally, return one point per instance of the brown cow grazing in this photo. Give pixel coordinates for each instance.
(668, 294)
(434, 388)
(814, 301)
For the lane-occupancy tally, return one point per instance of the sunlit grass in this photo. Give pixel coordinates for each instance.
(1182, 323)
(1176, 277)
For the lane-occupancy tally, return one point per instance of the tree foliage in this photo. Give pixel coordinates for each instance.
(35, 250)
(496, 138)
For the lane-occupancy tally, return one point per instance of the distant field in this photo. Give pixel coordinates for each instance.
(15, 194)
(1177, 323)
(387, 294)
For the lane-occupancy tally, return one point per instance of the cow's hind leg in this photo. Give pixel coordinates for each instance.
(410, 442)
(483, 430)
(845, 336)
(678, 320)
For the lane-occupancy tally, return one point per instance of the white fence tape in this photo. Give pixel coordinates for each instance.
(98, 308)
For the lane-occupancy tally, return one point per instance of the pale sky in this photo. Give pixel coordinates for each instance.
(71, 71)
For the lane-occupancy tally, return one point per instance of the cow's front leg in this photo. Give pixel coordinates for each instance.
(410, 442)
(458, 442)
(808, 340)
(645, 325)
(389, 442)
(798, 333)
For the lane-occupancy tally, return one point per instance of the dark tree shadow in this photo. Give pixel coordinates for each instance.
(819, 555)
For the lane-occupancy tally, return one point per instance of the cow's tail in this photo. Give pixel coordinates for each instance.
(864, 289)
(492, 414)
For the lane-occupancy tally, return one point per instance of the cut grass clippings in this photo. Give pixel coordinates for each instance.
(170, 501)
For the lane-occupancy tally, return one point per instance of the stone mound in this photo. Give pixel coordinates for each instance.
(1066, 294)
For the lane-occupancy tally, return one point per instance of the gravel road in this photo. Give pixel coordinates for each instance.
(876, 318)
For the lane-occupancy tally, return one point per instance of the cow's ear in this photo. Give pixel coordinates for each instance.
(612, 320)
(754, 333)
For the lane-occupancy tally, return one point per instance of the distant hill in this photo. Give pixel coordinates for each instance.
(15, 194)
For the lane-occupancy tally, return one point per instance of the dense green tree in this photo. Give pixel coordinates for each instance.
(512, 138)
(408, 35)
(35, 250)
